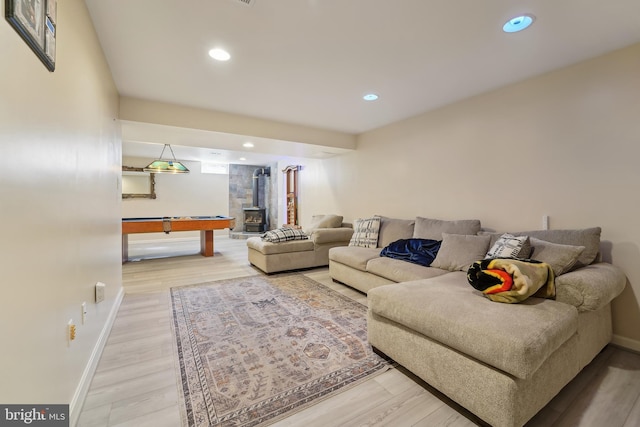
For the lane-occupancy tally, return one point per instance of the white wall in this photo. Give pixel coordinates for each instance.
(318, 195)
(59, 207)
(192, 194)
(315, 195)
(565, 144)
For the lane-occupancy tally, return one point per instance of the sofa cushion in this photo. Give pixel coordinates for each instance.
(284, 235)
(353, 256)
(427, 228)
(324, 221)
(587, 237)
(365, 232)
(459, 251)
(401, 271)
(515, 338)
(269, 248)
(560, 257)
(393, 229)
(508, 245)
(331, 235)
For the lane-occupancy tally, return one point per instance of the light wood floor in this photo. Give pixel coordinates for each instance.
(135, 382)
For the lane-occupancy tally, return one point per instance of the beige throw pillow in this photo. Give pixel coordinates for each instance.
(560, 257)
(324, 221)
(459, 251)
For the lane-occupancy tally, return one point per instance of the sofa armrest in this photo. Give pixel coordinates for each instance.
(592, 287)
(330, 235)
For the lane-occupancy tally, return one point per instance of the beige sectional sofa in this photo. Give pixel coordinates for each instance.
(502, 362)
(324, 232)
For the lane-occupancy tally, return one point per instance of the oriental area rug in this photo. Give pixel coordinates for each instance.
(254, 350)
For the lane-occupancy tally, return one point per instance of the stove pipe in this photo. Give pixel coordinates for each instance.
(256, 177)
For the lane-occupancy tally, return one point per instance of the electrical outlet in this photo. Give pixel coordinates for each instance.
(71, 331)
(100, 291)
(545, 222)
(84, 312)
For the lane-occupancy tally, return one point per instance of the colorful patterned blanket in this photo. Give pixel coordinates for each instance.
(512, 280)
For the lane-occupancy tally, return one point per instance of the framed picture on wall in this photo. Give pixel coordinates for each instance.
(35, 21)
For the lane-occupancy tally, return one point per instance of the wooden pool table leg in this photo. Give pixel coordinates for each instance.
(206, 242)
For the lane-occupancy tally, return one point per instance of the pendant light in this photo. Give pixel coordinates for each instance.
(166, 166)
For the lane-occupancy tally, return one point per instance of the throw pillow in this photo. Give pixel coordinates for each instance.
(427, 228)
(284, 234)
(324, 221)
(510, 246)
(365, 232)
(459, 251)
(560, 257)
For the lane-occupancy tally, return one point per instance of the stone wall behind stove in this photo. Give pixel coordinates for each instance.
(241, 193)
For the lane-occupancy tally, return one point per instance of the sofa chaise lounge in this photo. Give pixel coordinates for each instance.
(309, 249)
(502, 362)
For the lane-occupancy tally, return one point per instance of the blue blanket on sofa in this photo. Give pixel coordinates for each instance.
(417, 251)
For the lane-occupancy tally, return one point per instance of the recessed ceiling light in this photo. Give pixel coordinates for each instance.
(243, 158)
(518, 23)
(248, 144)
(219, 54)
(370, 97)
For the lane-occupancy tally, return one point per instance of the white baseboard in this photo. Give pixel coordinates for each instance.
(75, 407)
(627, 343)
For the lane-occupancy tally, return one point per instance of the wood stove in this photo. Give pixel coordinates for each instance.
(255, 220)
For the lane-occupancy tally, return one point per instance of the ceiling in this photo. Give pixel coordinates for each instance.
(309, 62)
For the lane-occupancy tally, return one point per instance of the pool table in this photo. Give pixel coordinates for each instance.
(204, 224)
